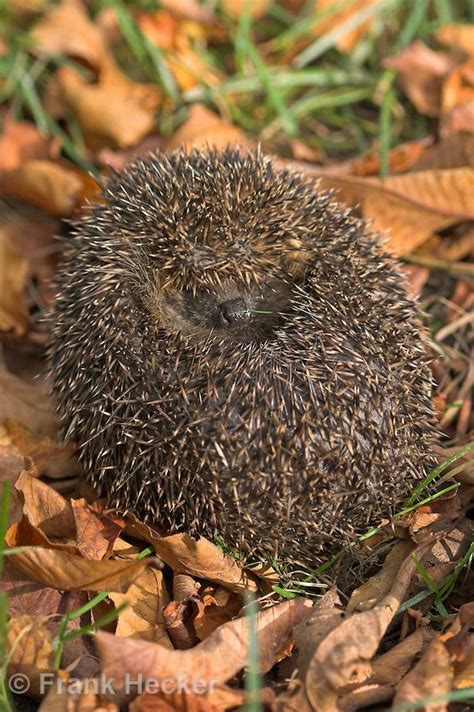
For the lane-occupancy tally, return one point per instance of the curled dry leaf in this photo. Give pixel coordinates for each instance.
(214, 661)
(27, 404)
(433, 675)
(235, 8)
(325, 615)
(59, 566)
(111, 112)
(203, 129)
(367, 596)
(410, 206)
(389, 668)
(202, 559)
(215, 609)
(30, 647)
(457, 36)
(41, 449)
(343, 657)
(74, 695)
(178, 621)
(143, 617)
(21, 141)
(68, 30)
(55, 188)
(422, 71)
(13, 273)
(217, 700)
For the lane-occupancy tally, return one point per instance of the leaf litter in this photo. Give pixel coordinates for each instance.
(93, 592)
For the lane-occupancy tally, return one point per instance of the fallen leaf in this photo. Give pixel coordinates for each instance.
(325, 615)
(143, 617)
(55, 188)
(235, 8)
(421, 73)
(75, 695)
(215, 610)
(30, 649)
(367, 596)
(67, 30)
(432, 676)
(178, 622)
(13, 274)
(203, 560)
(459, 119)
(112, 112)
(190, 10)
(464, 669)
(215, 660)
(60, 568)
(409, 206)
(389, 668)
(21, 141)
(27, 404)
(456, 36)
(203, 129)
(343, 657)
(41, 449)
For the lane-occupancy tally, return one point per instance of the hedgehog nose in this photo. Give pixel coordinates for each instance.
(232, 312)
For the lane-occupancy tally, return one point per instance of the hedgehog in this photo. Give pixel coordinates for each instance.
(237, 357)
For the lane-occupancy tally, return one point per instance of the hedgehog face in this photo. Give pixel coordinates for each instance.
(232, 310)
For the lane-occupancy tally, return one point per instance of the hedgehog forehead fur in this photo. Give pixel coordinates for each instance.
(238, 357)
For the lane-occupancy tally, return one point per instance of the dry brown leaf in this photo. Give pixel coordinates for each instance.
(74, 695)
(95, 533)
(55, 188)
(112, 112)
(190, 10)
(45, 508)
(367, 596)
(389, 668)
(464, 669)
(325, 615)
(68, 30)
(202, 559)
(13, 273)
(143, 617)
(365, 697)
(459, 119)
(457, 36)
(214, 610)
(235, 8)
(41, 449)
(421, 72)
(61, 568)
(400, 159)
(215, 660)
(432, 676)
(203, 129)
(30, 649)
(221, 698)
(21, 141)
(27, 404)
(410, 206)
(343, 657)
(458, 87)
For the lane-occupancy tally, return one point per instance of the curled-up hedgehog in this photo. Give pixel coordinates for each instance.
(237, 357)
